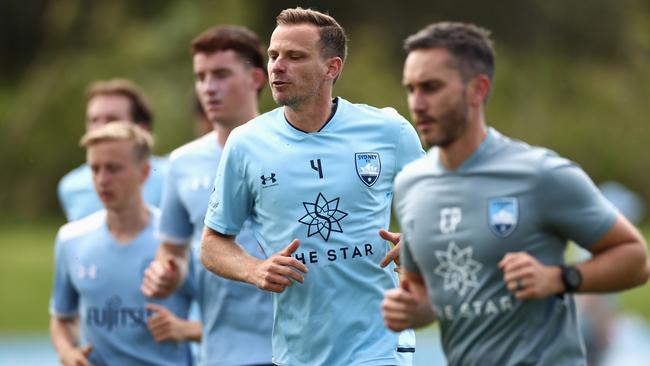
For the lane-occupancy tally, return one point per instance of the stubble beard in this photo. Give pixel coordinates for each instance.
(295, 100)
(452, 125)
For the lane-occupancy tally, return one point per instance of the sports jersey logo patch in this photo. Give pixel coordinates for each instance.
(503, 215)
(368, 167)
(457, 268)
(323, 217)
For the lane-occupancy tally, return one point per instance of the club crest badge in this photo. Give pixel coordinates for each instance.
(503, 215)
(368, 167)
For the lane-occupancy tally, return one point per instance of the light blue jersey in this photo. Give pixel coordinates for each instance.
(78, 197)
(237, 317)
(332, 190)
(99, 279)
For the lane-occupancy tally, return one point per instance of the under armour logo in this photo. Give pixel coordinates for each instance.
(266, 179)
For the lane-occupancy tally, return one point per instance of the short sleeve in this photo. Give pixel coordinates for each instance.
(65, 298)
(60, 190)
(153, 187)
(231, 200)
(175, 221)
(409, 147)
(572, 206)
(406, 257)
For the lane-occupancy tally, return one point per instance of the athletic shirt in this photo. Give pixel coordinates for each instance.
(332, 190)
(78, 197)
(457, 226)
(237, 317)
(99, 279)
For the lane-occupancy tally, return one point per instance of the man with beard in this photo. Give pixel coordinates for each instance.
(315, 176)
(486, 219)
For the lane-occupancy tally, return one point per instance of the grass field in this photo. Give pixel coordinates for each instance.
(26, 278)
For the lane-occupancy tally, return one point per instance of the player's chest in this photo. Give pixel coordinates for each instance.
(95, 273)
(337, 167)
(470, 220)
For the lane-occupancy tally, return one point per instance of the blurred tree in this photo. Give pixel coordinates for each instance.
(570, 75)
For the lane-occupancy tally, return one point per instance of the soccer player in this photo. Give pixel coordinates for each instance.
(108, 101)
(486, 220)
(101, 258)
(315, 176)
(237, 317)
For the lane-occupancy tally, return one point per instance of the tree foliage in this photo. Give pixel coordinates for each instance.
(570, 75)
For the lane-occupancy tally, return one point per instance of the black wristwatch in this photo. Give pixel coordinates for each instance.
(571, 277)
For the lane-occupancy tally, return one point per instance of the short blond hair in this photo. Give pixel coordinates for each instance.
(121, 130)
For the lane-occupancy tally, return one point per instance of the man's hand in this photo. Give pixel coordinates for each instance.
(393, 254)
(164, 325)
(528, 279)
(161, 278)
(407, 306)
(76, 356)
(279, 270)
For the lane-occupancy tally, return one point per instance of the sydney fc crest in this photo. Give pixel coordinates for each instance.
(503, 215)
(368, 167)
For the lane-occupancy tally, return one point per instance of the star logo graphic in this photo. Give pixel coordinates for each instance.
(323, 217)
(457, 268)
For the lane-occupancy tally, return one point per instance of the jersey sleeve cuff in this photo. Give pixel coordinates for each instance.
(63, 315)
(175, 240)
(220, 228)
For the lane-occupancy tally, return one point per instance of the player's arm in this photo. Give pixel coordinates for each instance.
(619, 261)
(167, 271)
(63, 332)
(165, 326)
(221, 255)
(408, 306)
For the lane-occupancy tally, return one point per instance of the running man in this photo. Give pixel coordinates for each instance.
(315, 177)
(237, 317)
(486, 220)
(100, 259)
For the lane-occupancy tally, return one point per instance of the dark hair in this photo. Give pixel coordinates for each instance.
(232, 37)
(469, 44)
(140, 109)
(333, 40)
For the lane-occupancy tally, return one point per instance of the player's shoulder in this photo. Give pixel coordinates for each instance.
(78, 175)
(82, 227)
(422, 166)
(536, 159)
(197, 146)
(257, 127)
(384, 114)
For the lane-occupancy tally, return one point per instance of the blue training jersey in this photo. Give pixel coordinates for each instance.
(332, 190)
(77, 194)
(99, 280)
(237, 317)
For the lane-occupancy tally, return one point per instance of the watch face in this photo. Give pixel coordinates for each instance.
(572, 278)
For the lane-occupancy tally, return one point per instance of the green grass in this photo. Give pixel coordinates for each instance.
(26, 278)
